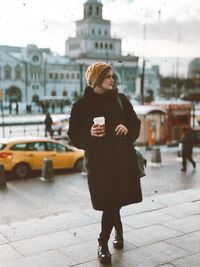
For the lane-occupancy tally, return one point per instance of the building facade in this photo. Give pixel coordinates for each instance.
(31, 73)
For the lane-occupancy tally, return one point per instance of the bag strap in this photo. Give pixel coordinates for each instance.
(120, 102)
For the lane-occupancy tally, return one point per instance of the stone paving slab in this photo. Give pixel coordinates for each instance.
(190, 261)
(156, 234)
(23, 230)
(190, 242)
(45, 242)
(52, 258)
(146, 219)
(187, 224)
(150, 234)
(159, 253)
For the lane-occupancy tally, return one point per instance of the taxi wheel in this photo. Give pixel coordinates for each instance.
(79, 165)
(21, 171)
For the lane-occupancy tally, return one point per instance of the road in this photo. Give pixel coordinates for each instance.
(36, 198)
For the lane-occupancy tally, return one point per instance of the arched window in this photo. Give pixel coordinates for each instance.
(7, 72)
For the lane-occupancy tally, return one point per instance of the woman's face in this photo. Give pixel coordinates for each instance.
(107, 83)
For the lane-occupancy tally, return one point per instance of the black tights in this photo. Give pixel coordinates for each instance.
(110, 218)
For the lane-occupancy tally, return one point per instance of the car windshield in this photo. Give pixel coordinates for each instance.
(2, 146)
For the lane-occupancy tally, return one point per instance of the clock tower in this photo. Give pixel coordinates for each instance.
(93, 36)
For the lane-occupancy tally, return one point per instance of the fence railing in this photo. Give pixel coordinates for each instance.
(11, 129)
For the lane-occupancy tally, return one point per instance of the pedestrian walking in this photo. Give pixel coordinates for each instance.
(188, 142)
(48, 125)
(106, 133)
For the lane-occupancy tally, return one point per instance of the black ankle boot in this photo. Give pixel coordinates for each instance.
(118, 241)
(103, 253)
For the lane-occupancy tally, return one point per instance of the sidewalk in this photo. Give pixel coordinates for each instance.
(163, 230)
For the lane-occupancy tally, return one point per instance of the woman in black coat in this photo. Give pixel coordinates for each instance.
(111, 162)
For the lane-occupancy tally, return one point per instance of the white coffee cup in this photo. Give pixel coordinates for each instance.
(99, 120)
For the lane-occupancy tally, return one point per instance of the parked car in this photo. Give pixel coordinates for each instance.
(24, 154)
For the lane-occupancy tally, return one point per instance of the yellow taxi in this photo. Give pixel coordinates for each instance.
(22, 154)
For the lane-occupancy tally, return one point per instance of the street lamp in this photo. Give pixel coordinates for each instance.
(143, 68)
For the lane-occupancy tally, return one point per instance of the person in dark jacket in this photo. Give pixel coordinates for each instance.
(48, 125)
(187, 147)
(111, 162)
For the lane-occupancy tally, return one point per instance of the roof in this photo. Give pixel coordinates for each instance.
(145, 110)
(24, 139)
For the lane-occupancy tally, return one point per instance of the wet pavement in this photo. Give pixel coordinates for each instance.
(52, 224)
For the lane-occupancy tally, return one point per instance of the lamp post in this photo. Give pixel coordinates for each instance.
(143, 68)
(81, 78)
(2, 113)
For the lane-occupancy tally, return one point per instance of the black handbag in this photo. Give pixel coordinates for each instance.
(141, 161)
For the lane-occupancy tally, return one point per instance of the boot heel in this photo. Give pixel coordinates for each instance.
(118, 241)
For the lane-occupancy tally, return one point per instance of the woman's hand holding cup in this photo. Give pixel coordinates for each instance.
(98, 128)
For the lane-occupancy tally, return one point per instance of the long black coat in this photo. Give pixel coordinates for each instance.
(111, 161)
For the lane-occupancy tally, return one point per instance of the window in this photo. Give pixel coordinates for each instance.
(39, 146)
(2, 146)
(61, 76)
(96, 45)
(99, 32)
(101, 45)
(50, 75)
(64, 93)
(19, 147)
(78, 76)
(67, 76)
(111, 46)
(53, 93)
(105, 32)
(90, 11)
(72, 76)
(7, 72)
(106, 46)
(56, 147)
(97, 10)
(93, 31)
(17, 73)
(56, 75)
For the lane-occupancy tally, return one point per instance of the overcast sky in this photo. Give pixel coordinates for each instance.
(172, 26)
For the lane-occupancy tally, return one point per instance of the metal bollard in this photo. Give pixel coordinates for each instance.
(2, 177)
(47, 170)
(156, 155)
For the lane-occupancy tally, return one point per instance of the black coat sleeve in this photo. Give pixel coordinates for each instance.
(76, 131)
(131, 119)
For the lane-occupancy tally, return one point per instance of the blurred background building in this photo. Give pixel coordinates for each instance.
(31, 74)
